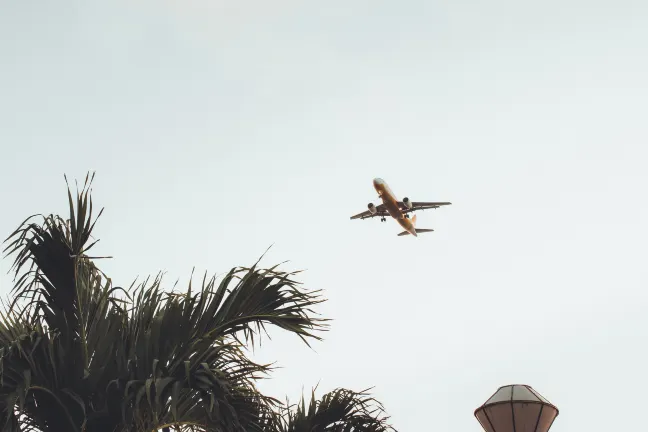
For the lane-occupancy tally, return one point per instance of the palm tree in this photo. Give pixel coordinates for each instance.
(78, 354)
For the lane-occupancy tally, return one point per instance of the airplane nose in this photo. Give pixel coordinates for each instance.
(377, 181)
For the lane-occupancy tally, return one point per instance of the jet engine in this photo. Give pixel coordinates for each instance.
(372, 208)
(407, 202)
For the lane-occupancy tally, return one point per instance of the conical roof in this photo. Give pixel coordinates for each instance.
(516, 408)
(516, 392)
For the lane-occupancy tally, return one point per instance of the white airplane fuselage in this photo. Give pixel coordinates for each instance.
(391, 204)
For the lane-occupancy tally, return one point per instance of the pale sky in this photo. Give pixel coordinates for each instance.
(219, 128)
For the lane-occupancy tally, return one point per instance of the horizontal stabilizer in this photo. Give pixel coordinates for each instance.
(418, 230)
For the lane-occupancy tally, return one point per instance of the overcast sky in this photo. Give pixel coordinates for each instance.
(219, 128)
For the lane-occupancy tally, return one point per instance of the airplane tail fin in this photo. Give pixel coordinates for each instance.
(414, 220)
(418, 231)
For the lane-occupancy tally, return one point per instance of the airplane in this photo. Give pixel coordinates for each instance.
(399, 210)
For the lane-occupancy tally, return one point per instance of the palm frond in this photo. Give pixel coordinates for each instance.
(30, 371)
(48, 259)
(341, 410)
(183, 354)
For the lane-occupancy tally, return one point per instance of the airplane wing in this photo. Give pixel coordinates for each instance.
(380, 211)
(421, 205)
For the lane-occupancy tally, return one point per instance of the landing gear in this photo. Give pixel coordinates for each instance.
(382, 219)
